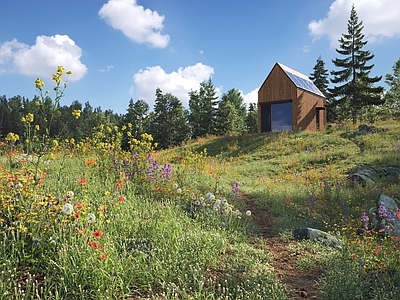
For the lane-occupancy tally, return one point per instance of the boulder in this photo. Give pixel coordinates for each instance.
(317, 235)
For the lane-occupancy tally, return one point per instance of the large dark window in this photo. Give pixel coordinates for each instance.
(281, 117)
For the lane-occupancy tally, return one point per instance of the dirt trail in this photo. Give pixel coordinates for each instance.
(302, 284)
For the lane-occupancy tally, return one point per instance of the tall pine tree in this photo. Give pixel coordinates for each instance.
(392, 97)
(169, 126)
(203, 109)
(355, 90)
(320, 78)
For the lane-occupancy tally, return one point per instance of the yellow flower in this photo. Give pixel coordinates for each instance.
(69, 73)
(76, 113)
(22, 228)
(37, 103)
(55, 143)
(37, 127)
(12, 137)
(29, 118)
(39, 83)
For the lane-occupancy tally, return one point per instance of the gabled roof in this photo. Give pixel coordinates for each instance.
(300, 80)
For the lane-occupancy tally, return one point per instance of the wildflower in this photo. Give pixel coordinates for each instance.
(12, 137)
(237, 213)
(179, 190)
(82, 181)
(353, 256)
(39, 83)
(397, 214)
(91, 218)
(82, 231)
(175, 186)
(37, 127)
(67, 209)
(103, 208)
(71, 194)
(76, 113)
(248, 213)
(89, 162)
(103, 256)
(95, 245)
(209, 197)
(77, 214)
(107, 193)
(395, 238)
(121, 198)
(22, 228)
(235, 188)
(98, 233)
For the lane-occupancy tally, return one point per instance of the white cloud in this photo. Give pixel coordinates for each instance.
(178, 83)
(107, 69)
(43, 58)
(140, 25)
(251, 97)
(381, 19)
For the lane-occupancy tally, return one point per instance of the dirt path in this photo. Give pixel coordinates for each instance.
(302, 284)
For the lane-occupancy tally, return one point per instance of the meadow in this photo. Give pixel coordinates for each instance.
(89, 220)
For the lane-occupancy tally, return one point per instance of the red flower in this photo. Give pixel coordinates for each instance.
(98, 233)
(121, 198)
(89, 162)
(95, 245)
(77, 214)
(79, 206)
(82, 181)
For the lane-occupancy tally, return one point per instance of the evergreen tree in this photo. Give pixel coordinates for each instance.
(231, 113)
(137, 114)
(392, 96)
(169, 127)
(203, 109)
(320, 78)
(356, 88)
(252, 118)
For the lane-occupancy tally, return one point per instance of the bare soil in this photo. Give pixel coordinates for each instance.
(301, 284)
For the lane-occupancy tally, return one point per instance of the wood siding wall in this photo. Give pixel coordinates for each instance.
(278, 87)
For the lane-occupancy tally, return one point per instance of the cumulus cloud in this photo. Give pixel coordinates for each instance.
(140, 25)
(178, 83)
(381, 19)
(251, 97)
(42, 58)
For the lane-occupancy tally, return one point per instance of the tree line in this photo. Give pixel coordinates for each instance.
(169, 122)
(355, 96)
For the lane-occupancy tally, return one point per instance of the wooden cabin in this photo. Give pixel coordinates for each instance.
(289, 100)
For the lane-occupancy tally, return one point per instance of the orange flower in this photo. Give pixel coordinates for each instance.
(119, 183)
(98, 233)
(377, 251)
(121, 198)
(397, 213)
(95, 245)
(353, 255)
(395, 238)
(77, 214)
(82, 181)
(103, 208)
(79, 206)
(90, 162)
(103, 256)
(82, 231)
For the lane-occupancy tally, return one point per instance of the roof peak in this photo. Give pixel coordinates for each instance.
(290, 70)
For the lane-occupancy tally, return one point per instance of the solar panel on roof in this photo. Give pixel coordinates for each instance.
(302, 83)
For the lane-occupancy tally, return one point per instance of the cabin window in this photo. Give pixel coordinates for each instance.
(281, 117)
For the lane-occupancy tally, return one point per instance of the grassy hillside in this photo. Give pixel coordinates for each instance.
(90, 221)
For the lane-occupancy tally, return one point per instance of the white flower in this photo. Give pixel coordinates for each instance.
(70, 194)
(179, 190)
(237, 213)
(248, 213)
(175, 185)
(91, 218)
(209, 197)
(67, 209)
(193, 196)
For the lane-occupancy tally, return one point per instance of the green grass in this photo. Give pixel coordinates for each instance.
(161, 237)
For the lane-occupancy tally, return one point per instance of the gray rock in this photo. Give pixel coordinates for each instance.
(317, 235)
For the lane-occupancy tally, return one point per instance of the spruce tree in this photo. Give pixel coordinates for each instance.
(392, 97)
(203, 110)
(355, 90)
(320, 76)
(252, 118)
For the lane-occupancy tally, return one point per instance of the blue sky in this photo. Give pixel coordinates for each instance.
(123, 49)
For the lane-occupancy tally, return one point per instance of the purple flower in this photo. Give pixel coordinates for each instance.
(235, 188)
